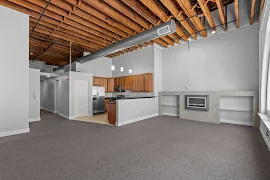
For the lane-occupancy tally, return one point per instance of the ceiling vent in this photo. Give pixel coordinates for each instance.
(163, 30)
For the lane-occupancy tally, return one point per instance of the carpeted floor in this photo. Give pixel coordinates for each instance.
(161, 148)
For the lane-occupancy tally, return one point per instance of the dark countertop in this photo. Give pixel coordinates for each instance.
(112, 102)
(114, 98)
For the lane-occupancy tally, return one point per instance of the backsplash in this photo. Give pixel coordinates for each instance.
(129, 93)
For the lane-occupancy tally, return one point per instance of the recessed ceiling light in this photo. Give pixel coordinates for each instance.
(121, 69)
(130, 71)
(112, 68)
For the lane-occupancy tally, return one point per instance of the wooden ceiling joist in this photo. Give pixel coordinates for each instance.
(207, 13)
(120, 6)
(156, 9)
(261, 9)
(169, 4)
(93, 25)
(221, 13)
(252, 11)
(236, 6)
(191, 13)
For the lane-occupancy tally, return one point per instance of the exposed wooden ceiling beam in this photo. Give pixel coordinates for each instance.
(207, 13)
(120, 6)
(83, 17)
(169, 4)
(156, 9)
(261, 9)
(141, 10)
(252, 11)
(236, 6)
(221, 13)
(190, 12)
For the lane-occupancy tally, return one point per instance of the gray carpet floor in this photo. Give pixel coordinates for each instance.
(160, 148)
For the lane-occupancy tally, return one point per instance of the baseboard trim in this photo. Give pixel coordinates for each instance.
(14, 132)
(34, 119)
(171, 114)
(236, 122)
(136, 120)
(265, 139)
(72, 117)
(49, 110)
(62, 115)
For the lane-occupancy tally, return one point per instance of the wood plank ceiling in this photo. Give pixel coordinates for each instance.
(94, 24)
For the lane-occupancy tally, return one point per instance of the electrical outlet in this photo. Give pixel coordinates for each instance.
(267, 133)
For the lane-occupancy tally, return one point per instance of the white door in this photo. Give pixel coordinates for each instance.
(80, 98)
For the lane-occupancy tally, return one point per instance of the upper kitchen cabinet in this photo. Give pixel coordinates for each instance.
(96, 81)
(141, 83)
(148, 82)
(110, 84)
(104, 83)
(129, 83)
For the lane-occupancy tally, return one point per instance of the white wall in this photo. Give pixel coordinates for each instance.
(14, 73)
(132, 110)
(99, 67)
(80, 76)
(228, 61)
(140, 61)
(157, 78)
(63, 95)
(34, 95)
(41, 93)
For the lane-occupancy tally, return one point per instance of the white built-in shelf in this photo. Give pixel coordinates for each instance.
(266, 119)
(171, 105)
(240, 110)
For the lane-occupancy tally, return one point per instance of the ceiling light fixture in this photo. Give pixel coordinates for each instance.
(121, 69)
(130, 71)
(188, 39)
(113, 68)
(48, 76)
(213, 31)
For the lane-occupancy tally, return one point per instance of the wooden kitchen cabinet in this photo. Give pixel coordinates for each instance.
(141, 83)
(96, 81)
(116, 81)
(135, 81)
(148, 82)
(129, 83)
(110, 84)
(106, 104)
(122, 82)
(104, 83)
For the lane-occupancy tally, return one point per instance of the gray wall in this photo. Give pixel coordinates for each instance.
(227, 61)
(99, 67)
(63, 94)
(140, 61)
(14, 73)
(34, 94)
(49, 90)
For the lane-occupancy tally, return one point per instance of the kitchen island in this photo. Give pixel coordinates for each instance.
(133, 109)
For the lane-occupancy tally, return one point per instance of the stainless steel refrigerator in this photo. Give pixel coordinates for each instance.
(98, 99)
